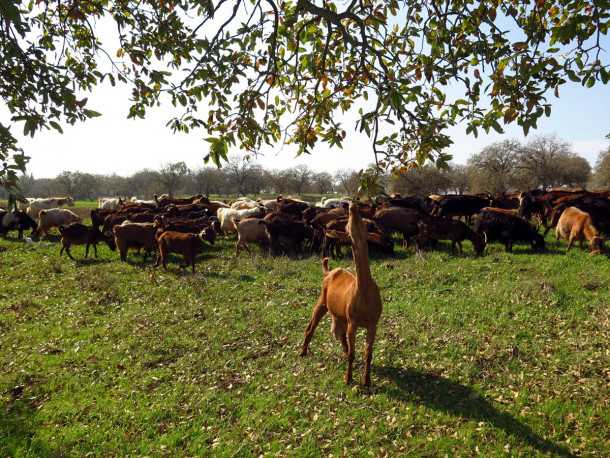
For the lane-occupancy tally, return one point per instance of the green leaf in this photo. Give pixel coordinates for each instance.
(92, 113)
(497, 127)
(218, 150)
(56, 126)
(10, 11)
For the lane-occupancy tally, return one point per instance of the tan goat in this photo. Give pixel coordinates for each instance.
(352, 300)
(577, 225)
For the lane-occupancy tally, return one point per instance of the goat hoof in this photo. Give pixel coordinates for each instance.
(303, 354)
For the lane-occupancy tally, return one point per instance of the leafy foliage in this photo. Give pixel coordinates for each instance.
(254, 72)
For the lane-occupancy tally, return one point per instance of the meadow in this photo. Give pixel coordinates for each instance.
(502, 355)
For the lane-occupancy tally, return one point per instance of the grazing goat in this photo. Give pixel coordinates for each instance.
(324, 216)
(244, 204)
(165, 200)
(193, 226)
(214, 205)
(507, 200)
(134, 235)
(98, 215)
(333, 202)
(438, 228)
(352, 300)
(226, 216)
(148, 203)
(271, 204)
(576, 225)
(37, 204)
(422, 204)
(334, 239)
(292, 206)
(461, 206)
(55, 217)
(19, 220)
(286, 233)
(188, 245)
(501, 225)
(109, 203)
(250, 230)
(79, 234)
(398, 219)
(598, 209)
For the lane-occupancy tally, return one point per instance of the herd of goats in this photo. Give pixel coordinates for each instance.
(290, 226)
(293, 227)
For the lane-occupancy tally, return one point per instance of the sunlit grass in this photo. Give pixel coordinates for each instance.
(503, 354)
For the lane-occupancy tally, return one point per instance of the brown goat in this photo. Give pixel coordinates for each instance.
(352, 300)
(188, 245)
(439, 228)
(576, 225)
(134, 235)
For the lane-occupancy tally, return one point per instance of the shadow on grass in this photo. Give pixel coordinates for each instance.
(91, 261)
(445, 395)
(53, 238)
(14, 238)
(18, 430)
(522, 249)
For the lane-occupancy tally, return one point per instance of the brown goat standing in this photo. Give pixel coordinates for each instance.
(352, 300)
(186, 244)
(576, 225)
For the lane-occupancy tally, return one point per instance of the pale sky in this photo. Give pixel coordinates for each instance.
(114, 144)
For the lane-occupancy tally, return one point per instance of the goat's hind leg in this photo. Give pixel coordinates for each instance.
(368, 354)
(351, 351)
(68, 253)
(319, 311)
(339, 330)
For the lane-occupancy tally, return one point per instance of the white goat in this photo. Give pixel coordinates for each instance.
(226, 216)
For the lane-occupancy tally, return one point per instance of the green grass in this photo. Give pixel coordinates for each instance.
(506, 354)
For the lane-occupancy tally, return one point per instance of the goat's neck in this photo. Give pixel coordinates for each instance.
(360, 253)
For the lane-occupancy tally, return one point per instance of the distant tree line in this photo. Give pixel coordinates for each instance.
(502, 166)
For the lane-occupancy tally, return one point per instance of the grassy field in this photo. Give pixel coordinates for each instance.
(506, 354)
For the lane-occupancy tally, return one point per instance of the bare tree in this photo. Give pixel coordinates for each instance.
(144, 184)
(574, 170)
(494, 169)
(86, 186)
(65, 180)
(322, 183)
(300, 178)
(540, 161)
(244, 176)
(208, 180)
(172, 176)
(421, 181)
(602, 169)
(278, 181)
(348, 181)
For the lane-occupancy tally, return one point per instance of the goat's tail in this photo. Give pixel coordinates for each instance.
(325, 266)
